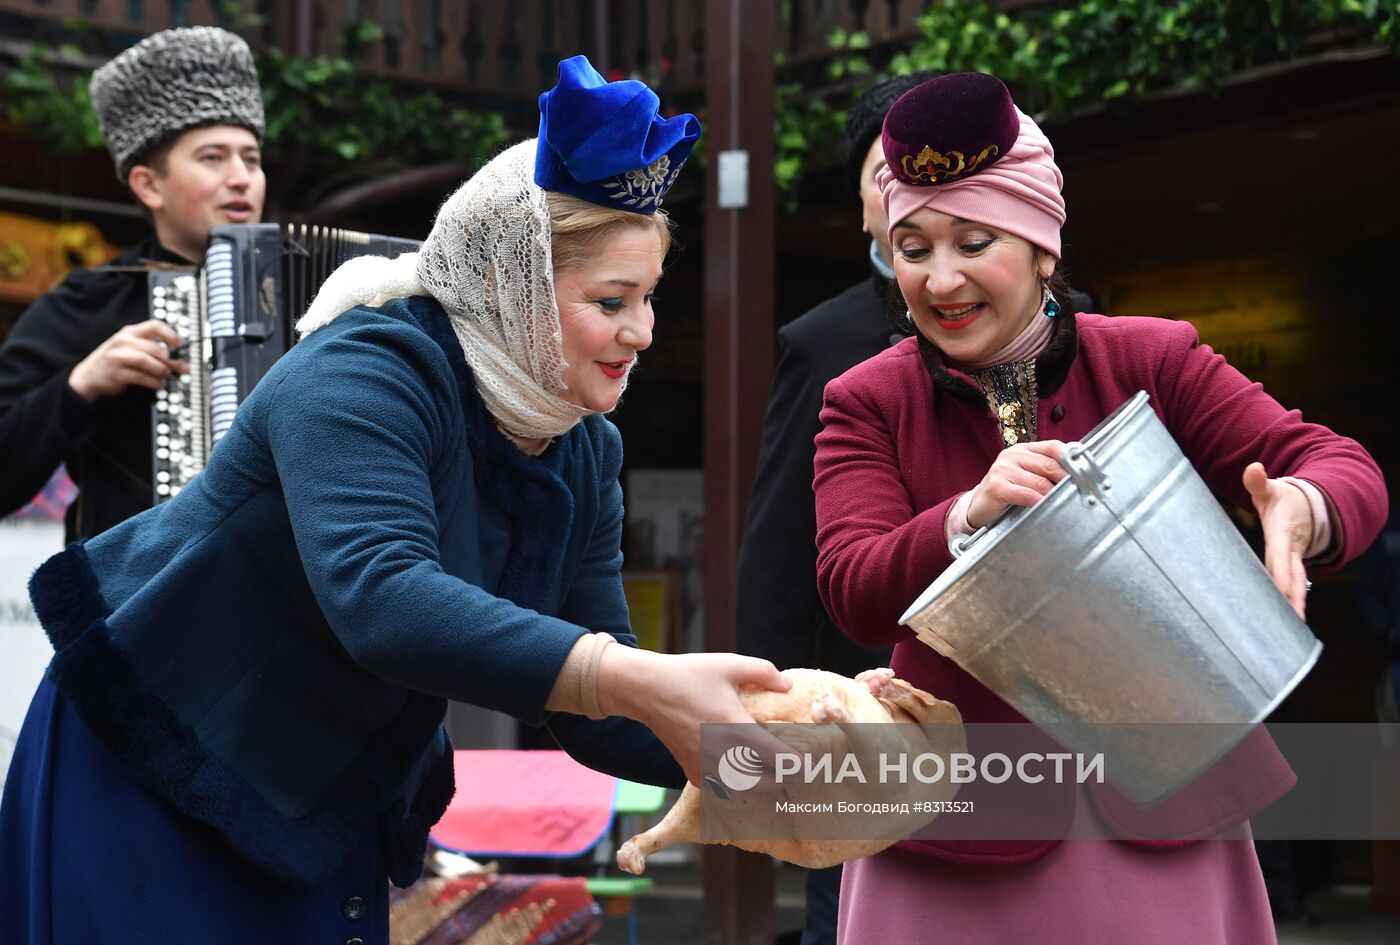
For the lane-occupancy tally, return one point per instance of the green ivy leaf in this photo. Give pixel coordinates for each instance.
(792, 139)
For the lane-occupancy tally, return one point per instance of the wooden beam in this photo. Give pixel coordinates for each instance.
(741, 37)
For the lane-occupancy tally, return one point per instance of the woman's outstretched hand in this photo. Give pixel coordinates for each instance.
(1021, 475)
(1286, 518)
(672, 694)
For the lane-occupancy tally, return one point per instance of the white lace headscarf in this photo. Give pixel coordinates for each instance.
(488, 263)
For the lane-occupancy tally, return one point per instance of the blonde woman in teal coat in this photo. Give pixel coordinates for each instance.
(240, 735)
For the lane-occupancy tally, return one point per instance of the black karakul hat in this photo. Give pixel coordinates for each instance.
(949, 128)
(865, 118)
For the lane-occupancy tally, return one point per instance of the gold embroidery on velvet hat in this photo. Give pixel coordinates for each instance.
(933, 167)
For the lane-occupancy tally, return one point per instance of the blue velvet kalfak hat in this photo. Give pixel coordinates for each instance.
(604, 142)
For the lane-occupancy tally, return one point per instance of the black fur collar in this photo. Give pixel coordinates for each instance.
(1051, 368)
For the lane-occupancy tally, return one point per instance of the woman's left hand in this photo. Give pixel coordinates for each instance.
(1286, 518)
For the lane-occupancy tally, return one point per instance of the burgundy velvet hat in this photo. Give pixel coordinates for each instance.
(949, 128)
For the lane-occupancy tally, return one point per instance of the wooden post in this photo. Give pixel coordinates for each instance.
(305, 18)
(600, 36)
(741, 38)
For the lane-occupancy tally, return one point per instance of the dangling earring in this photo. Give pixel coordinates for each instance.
(1050, 306)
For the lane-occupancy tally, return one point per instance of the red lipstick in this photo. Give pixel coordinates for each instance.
(962, 321)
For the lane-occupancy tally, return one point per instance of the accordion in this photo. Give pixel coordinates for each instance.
(236, 316)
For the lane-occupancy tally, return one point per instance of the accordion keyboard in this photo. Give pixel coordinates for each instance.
(178, 419)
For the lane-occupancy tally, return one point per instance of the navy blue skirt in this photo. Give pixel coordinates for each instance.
(90, 857)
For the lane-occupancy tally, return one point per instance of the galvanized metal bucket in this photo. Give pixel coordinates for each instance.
(1126, 595)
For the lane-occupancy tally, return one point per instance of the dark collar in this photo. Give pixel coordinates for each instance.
(146, 254)
(530, 490)
(481, 426)
(152, 250)
(1051, 368)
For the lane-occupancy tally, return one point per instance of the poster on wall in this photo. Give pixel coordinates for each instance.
(666, 529)
(653, 607)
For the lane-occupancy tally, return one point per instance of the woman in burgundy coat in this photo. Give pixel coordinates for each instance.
(939, 434)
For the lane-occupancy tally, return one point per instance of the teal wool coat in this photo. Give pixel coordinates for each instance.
(271, 650)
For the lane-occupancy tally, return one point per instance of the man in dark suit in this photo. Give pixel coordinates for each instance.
(780, 617)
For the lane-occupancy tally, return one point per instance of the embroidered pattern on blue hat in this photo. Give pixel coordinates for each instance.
(643, 188)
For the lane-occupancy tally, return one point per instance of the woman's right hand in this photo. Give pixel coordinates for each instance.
(1021, 475)
(672, 694)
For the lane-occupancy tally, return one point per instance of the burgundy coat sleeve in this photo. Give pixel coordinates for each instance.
(1224, 422)
(875, 552)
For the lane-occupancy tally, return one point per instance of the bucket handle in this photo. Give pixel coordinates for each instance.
(1086, 474)
(1084, 471)
(962, 542)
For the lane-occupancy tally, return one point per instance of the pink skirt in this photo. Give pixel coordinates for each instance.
(1082, 891)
